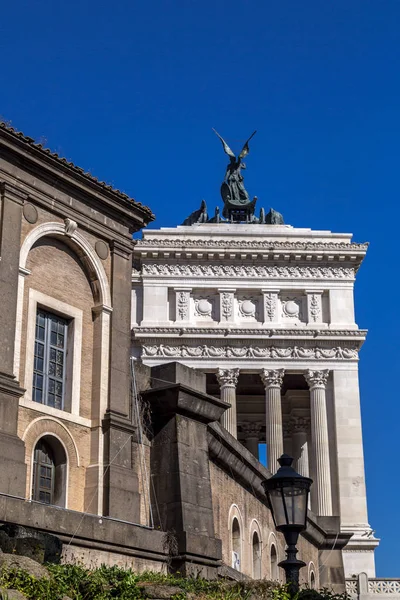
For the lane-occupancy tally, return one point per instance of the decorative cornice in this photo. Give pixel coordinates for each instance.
(248, 351)
(299, 332)
(273, 272)
(250, 244)
(273, 378)
(228, 377)
(317, 379)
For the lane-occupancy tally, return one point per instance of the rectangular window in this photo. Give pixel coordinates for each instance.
(50, 359)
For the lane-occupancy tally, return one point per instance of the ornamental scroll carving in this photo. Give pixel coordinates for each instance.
(182, 305)
(315, 307)
(291, 352)
(228, 377)
(270, 300)
(317, 379)
(275, 272)
(273, 378)
(227, 304)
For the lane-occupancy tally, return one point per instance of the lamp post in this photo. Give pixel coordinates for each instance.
(287, 493)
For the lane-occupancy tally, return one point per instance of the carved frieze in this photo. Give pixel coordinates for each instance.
(262, 271)
(249, 351)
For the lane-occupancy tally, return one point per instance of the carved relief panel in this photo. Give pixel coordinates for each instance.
(292, 308)
(204, 306)
(249, 307)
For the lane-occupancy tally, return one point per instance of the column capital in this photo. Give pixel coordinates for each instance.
(228, 377)
(272, 378)
(251, 428)
(300, 424)
(317, 379)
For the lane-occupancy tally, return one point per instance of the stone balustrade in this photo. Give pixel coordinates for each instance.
(373, 588)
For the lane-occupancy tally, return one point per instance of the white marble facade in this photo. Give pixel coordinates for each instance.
(267, 311)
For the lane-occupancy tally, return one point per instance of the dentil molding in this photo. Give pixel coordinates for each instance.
(245, 244)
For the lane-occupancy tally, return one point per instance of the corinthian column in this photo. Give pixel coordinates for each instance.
(320, 441)
(227, 379)
(252, 431)
(273, 432)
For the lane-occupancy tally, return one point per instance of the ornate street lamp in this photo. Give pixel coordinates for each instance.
(287, 493)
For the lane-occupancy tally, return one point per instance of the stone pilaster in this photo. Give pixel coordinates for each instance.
(252, 430)
(226, 305)
(12, 448)
(227, 379)
(274, 433)
(320, 441)
(270, 306)
(120, 480)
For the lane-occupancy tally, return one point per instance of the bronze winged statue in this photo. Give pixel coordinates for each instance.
(233, 191)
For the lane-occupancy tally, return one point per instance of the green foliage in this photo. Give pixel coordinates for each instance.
(108, 583)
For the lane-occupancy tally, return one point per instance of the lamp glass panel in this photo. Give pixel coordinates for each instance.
(289, 505)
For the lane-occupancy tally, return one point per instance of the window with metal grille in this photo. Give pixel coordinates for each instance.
(43, 474)
(50, 359)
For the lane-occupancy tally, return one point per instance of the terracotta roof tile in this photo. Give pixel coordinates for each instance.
(39, 147)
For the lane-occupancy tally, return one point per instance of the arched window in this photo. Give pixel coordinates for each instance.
(256, 556)
(236, 545)
(274, 564)
(49, 472)
(312, 580)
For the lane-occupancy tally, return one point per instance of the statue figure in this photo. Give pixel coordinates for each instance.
(233, 192)
(274, 218)
(197, 216)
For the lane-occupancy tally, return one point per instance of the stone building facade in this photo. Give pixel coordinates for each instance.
(267, 313)
(203, 323)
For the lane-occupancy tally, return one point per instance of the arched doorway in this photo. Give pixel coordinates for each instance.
(256, 556)
(49, 472)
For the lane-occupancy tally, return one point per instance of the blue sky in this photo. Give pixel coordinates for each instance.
(130, 91)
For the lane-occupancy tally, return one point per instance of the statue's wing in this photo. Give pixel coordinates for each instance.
(228, 151)
(246, 149)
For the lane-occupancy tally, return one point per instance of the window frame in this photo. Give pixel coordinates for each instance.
(50, 318)
(36, 473)
(74, 315)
